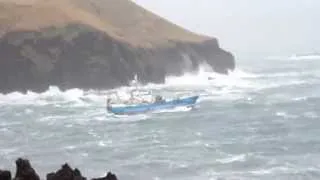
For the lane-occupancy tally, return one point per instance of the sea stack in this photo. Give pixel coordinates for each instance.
(93, 44)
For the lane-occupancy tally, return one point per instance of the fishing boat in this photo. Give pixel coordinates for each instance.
(144, 107)
(142, 101)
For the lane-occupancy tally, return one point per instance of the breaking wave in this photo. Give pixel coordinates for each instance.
(173, 84)
(204, 82)
(296, 57)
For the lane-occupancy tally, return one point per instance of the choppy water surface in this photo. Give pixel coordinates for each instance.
(260, 122)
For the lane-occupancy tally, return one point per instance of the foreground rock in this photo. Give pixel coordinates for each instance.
(5, 175)
(24, 171)
(91, 44)
(109, 176)
(66, 173)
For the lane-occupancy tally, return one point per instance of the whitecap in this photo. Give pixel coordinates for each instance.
(303, 98)
(71, 147)
(232, 158)
(312, 115)
(28, 111)
(286, 115)
(102, 144)
(272, 170)
(304, 57)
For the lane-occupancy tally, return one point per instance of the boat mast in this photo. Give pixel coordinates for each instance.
(134, 83)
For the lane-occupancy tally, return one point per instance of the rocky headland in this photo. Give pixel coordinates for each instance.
(92, 44)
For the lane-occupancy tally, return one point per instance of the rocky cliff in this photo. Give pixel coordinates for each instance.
(95, 44)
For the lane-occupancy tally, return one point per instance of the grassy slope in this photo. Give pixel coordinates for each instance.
(121, 19)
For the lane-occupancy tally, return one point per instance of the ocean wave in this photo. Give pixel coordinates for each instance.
(304, 57)
(186, 84)
(232, 158)
(296, 57)
(236, 85)
(286, 115)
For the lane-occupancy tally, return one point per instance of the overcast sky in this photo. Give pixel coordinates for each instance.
(271, 27)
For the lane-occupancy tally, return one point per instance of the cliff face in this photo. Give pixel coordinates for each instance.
(95, 44)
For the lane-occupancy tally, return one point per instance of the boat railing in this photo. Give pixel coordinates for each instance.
(131, 97)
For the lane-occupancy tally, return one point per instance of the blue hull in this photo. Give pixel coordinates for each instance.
(143, 108)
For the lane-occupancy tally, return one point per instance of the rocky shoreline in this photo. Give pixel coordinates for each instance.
(24, 171)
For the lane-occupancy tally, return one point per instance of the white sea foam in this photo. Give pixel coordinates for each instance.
(235, 85)
(181, 84)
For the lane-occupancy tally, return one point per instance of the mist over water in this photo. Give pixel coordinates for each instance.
(259, 122)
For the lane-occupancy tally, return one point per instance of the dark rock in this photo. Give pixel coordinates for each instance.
(66, 173)
(24, 171)
(109, 176)
(5, 175)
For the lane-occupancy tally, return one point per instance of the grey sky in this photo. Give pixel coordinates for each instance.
(271, 27)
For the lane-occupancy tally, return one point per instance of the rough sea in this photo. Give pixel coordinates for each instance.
(260, 122)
